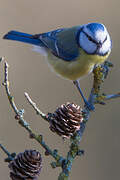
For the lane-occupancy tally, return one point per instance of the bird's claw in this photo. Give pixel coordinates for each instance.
(89, 106)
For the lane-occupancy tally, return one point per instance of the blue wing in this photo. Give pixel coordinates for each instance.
(62, 42)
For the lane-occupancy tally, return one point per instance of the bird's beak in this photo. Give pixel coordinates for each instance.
(99, 45)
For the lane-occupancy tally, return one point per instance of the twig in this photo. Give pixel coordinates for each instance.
(111, 96)
(4, 150)
(6, 84)
(33, 104)
(10, 157)
(22, 122)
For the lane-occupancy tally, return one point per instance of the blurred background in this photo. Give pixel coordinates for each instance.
(28, 72)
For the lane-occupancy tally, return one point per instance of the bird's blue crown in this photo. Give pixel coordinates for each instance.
(93, 27)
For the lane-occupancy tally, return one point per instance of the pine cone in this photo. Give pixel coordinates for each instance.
(66, 120)
(26, 166)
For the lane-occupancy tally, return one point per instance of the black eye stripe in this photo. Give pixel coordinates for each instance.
(90, 39)
(105, 39)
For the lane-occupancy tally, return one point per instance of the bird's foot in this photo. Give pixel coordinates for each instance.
(89, 106)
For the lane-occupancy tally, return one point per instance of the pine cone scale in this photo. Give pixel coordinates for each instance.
(26, 165)
(66, 119)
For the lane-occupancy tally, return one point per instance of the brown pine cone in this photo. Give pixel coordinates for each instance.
(26, 166)
(66, 120)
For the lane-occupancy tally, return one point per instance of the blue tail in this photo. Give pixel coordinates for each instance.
(23, 37)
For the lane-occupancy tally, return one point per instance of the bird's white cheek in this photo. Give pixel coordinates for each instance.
(87, 45)
(105, 47)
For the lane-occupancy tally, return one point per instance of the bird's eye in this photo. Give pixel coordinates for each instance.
(89, 38)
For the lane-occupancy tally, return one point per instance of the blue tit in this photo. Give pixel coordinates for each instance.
(71, 52)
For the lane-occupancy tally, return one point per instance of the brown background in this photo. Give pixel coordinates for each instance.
(28, 72)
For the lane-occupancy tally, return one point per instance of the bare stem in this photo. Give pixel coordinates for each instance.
(4, 150)
(19, 116)
(10, 157)
(33, 104)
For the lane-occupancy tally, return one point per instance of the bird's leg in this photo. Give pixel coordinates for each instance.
(87, 104)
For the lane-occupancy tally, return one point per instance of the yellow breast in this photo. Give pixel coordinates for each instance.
(73, 70)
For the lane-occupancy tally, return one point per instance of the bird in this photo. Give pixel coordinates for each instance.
(72, 52)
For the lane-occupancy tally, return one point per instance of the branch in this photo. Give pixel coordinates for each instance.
(10, 157)
(33, 104)
(111, 96)
(100, 73)
(19, 116)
